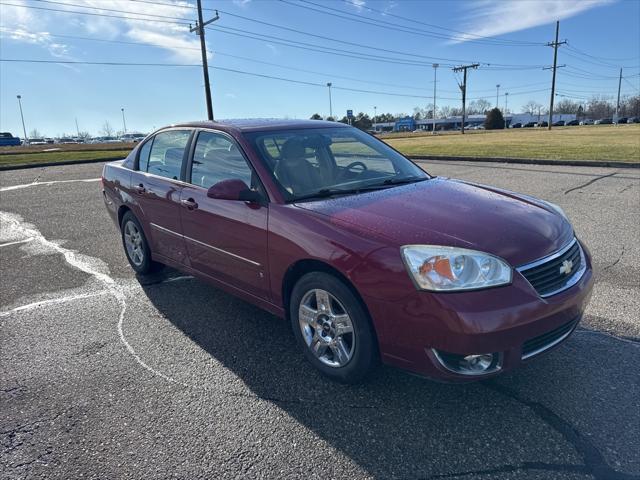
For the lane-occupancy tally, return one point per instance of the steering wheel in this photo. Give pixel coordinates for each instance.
(348, 168)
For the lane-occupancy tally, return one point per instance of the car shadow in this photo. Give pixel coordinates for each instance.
(400, 426)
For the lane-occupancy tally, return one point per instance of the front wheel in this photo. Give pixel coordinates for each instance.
(136, 246)
(332, 328)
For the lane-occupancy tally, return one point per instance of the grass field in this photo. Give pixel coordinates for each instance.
(606, 142)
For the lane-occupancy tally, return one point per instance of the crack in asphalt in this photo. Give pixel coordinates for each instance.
(594, 462)
(617, 260)
(593, 180)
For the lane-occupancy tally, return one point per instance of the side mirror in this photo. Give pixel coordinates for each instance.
(233, 189)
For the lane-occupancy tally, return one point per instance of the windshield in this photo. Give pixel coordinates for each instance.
(310, 163)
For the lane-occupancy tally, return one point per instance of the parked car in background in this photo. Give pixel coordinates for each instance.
(603, 121)
(559, 123)
(516, 125)
(367, 256)
(634, 120)
(49, 140)
(66, 140)
(529, 125)
(8, 140)
(137, 137)
(37, 141)
(586, 121)
(572, 123)
(623, 120)
(542, 124)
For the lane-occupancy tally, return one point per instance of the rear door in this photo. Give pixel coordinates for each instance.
(156, 187)
(225, 239)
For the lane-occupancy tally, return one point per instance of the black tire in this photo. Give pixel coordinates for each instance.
(147, 265)
(364, 357)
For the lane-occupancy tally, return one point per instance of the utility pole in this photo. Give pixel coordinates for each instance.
(199, 29)
(433, 112)
(124, 123)
(618, 102)
(77, 128)
(463, 87)
(555, 66)
(497, 95)
(24, 129)
(330, 105)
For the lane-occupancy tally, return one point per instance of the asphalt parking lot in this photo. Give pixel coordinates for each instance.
(104, 375)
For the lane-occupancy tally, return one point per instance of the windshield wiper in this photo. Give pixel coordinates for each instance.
(401, 181)
(327, 192)
(330, 192)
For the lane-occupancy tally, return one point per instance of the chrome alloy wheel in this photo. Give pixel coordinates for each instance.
(326, 328)
(133, 243)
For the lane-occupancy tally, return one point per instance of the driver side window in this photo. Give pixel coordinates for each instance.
(218, 158)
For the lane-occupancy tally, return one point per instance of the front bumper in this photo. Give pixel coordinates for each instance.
(513, 322)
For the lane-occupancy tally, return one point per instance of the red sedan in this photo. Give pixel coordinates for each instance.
(369, 257)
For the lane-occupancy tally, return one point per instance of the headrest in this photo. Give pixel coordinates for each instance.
(293, 149)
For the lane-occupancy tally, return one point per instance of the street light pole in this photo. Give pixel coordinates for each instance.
(24, 129)
(433, 112)
(497, 94)
(375, 121)
(124, 123)
(506, 99)
(330, 106)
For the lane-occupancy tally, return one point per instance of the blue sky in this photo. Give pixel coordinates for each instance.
(404, 38)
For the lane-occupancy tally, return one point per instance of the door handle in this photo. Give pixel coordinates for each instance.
(140, 188)
(189, 203)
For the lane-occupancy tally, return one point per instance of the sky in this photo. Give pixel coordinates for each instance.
(375, 53)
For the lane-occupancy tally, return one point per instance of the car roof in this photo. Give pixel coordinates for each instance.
(261, 124)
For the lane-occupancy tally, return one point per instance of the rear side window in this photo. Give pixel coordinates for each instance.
(165, 158)
(143, 156)
(217, 158)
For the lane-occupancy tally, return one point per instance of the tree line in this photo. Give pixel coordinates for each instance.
(596, 107)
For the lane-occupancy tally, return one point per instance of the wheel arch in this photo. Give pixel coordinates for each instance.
(301, 267)
(121, 211)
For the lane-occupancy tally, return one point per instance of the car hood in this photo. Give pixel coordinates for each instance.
(442, 211)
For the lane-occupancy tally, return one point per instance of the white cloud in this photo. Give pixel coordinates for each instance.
(357, 4)
(176, 39)
(491, 18)
(242, 3)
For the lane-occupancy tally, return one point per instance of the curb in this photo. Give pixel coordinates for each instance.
(54, 164)
(521, 161)
(531, 161)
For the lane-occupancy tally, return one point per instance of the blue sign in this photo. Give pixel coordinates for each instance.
(349, 113)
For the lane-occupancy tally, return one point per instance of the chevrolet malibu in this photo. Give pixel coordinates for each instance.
(367, 256)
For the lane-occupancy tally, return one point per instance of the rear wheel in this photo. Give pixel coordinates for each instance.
(136, 246)
(332, 328)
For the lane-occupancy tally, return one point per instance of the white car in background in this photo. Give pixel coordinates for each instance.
(586, 122)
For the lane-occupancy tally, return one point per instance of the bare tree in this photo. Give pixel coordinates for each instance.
(107, 129)
(532, 107)
(35, 133)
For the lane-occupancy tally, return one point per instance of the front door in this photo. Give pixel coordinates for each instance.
(156, 188)
(225, 239)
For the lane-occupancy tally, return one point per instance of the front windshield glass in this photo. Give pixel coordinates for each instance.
(309, 163)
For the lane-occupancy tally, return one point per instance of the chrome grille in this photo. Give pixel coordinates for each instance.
(556, 272)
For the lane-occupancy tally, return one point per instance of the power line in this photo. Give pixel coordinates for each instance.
(378, 23)
(95, 14)
(67, 4)
(459, 32)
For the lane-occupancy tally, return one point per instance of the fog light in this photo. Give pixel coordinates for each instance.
(477, 364)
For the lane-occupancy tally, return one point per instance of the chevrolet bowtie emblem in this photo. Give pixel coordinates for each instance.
(566, 267)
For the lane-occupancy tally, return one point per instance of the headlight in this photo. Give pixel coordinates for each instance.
(439, 268)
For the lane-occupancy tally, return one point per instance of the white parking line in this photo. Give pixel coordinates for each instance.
(44, 303)
(14, 226)
(16, 242)
(53, 182)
